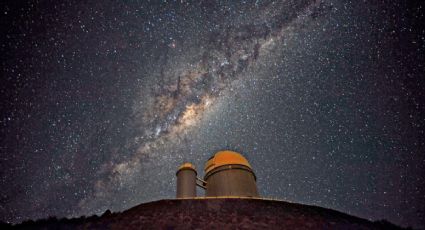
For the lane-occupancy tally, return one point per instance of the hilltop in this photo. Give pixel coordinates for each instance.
(214, 213)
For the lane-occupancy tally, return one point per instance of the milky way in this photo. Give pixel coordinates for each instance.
(176, 107)
(101, 102)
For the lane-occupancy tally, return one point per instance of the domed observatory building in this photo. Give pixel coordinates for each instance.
(227, 173)
(186, 181)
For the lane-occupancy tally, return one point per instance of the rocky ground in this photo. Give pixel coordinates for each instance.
(219, 213)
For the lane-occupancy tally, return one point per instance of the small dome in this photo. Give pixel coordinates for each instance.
(187, 165)
(225, 157)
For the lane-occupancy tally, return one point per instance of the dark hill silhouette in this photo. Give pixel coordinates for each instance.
(215, 213)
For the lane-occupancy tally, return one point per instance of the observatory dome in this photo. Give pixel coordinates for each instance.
(226, 157)
(187, 165)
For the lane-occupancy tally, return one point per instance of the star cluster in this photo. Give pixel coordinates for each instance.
(101, 102)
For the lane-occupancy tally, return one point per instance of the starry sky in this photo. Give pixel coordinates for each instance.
(101, 101)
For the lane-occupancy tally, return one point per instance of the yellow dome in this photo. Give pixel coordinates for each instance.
(225, 157)
(187, 165)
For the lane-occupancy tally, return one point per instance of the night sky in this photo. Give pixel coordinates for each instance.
(102, 101)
